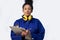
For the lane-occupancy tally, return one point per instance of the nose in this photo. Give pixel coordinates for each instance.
(27, 11)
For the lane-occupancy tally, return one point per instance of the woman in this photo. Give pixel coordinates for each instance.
(29, 23)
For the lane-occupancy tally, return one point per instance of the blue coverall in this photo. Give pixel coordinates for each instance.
(35, 26)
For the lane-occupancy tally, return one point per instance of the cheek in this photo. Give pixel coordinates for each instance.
(30, 11)
(24, 11)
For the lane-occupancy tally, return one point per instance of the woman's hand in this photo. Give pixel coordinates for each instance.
(24, 33)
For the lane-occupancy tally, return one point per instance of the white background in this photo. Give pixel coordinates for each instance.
(48, 11)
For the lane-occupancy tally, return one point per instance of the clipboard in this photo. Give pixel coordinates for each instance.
(17, 29)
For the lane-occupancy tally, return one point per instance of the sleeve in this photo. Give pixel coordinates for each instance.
(41, 32)
(13, 35)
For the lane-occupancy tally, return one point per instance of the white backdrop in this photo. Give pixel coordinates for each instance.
(48, 11)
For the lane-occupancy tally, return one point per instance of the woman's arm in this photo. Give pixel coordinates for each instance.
(41, 32)
(15, 36)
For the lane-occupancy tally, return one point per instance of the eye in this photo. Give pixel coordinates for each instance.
(25, 8)
(29, 8)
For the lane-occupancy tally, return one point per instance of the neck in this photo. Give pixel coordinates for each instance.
(27, 15)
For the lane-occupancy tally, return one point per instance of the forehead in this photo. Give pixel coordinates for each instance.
(27, 6)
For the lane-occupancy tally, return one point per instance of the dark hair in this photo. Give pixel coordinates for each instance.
(29, 2)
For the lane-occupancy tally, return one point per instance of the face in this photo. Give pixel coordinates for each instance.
(27, 10)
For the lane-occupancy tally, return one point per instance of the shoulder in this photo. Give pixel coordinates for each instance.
(35, 19)
(18, 20)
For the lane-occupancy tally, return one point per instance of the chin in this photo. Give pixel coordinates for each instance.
(27, 15)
